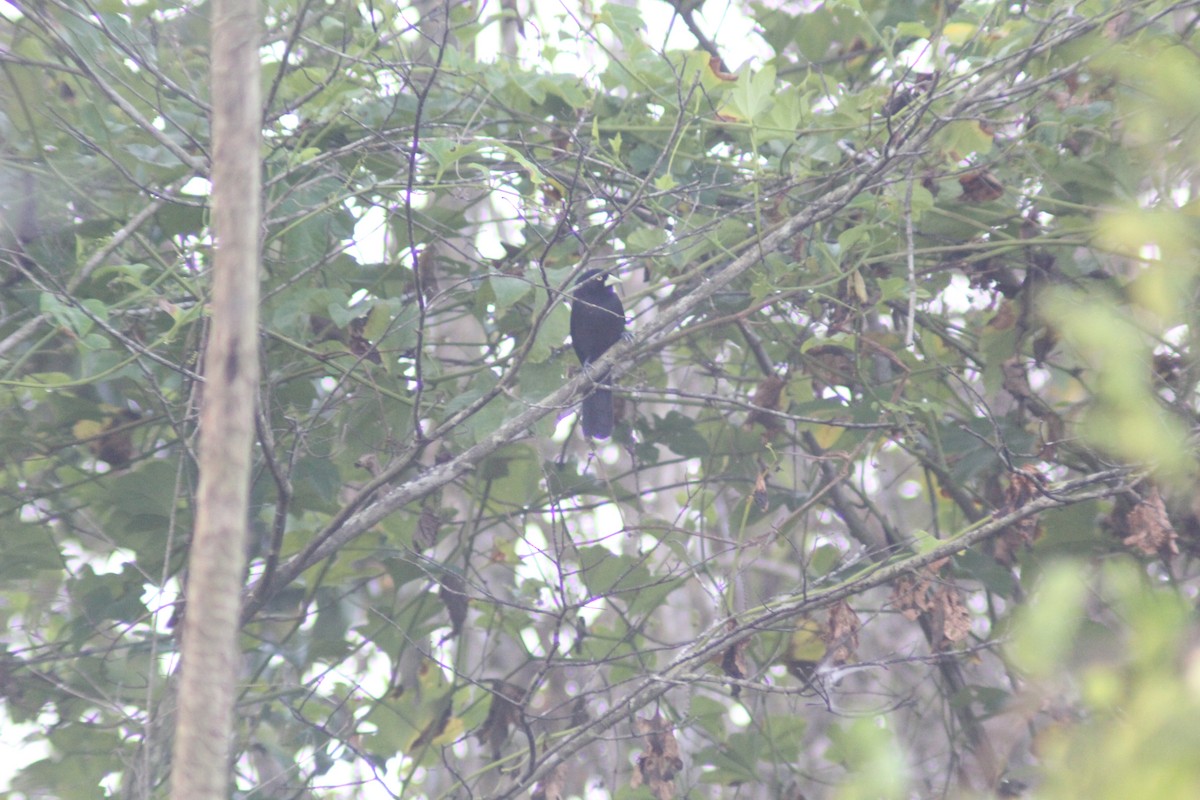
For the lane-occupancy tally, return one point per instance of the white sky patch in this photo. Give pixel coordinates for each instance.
(197, 187)
(739, 716)
(608, 523)
(532, 642)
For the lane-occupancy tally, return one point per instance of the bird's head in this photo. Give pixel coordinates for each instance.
(592, 280)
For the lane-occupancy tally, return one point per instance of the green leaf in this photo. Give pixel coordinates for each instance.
(1046, 628)
(679, 433)
(785, 116)
(509, 290)
(609, 575)
(824, 559)
(912, 29)
(964, 138)
(66, 315)
(753, 94)
(26, 550)
(624, 21)
(513, 473)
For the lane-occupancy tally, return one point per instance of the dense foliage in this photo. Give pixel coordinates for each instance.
(900, 500)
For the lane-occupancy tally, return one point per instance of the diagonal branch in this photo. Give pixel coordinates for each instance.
(721, 636)
(904, 146)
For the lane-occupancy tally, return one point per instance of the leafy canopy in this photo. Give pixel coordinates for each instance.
(912, 298)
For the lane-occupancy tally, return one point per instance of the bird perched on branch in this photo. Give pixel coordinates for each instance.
(597, 323)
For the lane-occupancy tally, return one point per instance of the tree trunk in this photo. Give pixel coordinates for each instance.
(217, 559)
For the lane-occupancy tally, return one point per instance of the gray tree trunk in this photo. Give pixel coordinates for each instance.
(217, 560)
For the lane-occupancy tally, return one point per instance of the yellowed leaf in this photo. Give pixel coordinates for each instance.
(959, 33)
(87, 429)
(827, 435)
(451, 733)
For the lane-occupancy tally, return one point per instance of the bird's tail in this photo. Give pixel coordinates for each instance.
(596, 414)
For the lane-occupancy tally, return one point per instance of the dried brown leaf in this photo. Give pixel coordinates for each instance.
(952, 614)
(905, 595)
(1150, 529)
(733, 660)
(505, 712)
(452, 589)
(910, 593)
(714, 64)
(767, 396)
(369, 462)
(619, 402)
(842, 635)
(1169, 368)
(901, 97)
(1025, 484)
(830, 365)
(1005, 317)
(980, 187)
(427, 269)
(579, 713)
(1043, 344)
(325, 330)
(360, 345)
(427, 529)
(111, 440)
(660, 762)
(433, 730)
(1016, 380)
(927, 596)
(551, 194)
(760, 496)
(550, 787)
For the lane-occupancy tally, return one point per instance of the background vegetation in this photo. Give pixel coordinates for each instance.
(901, 501)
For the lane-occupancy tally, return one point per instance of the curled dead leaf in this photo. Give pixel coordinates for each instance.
(718, 69)
(427, 528)
(981, 187)
(326, 330)
(579, 713)
(550, 787)
(1024, 484)
(912, 595)
(937, 599)
(452, 589)
(504, 713)
(951, 615)
(830, 365)
(842, 636)
(433, 732)
(111, 441)
(767, 396)
(1150, 529)
(551, 194)
(660, 761)
(907, 596)
(733, 660)
(1005, 317)
(1016, 380)
(760, 496)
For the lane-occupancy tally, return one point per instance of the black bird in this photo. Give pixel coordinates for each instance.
(597, 323)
